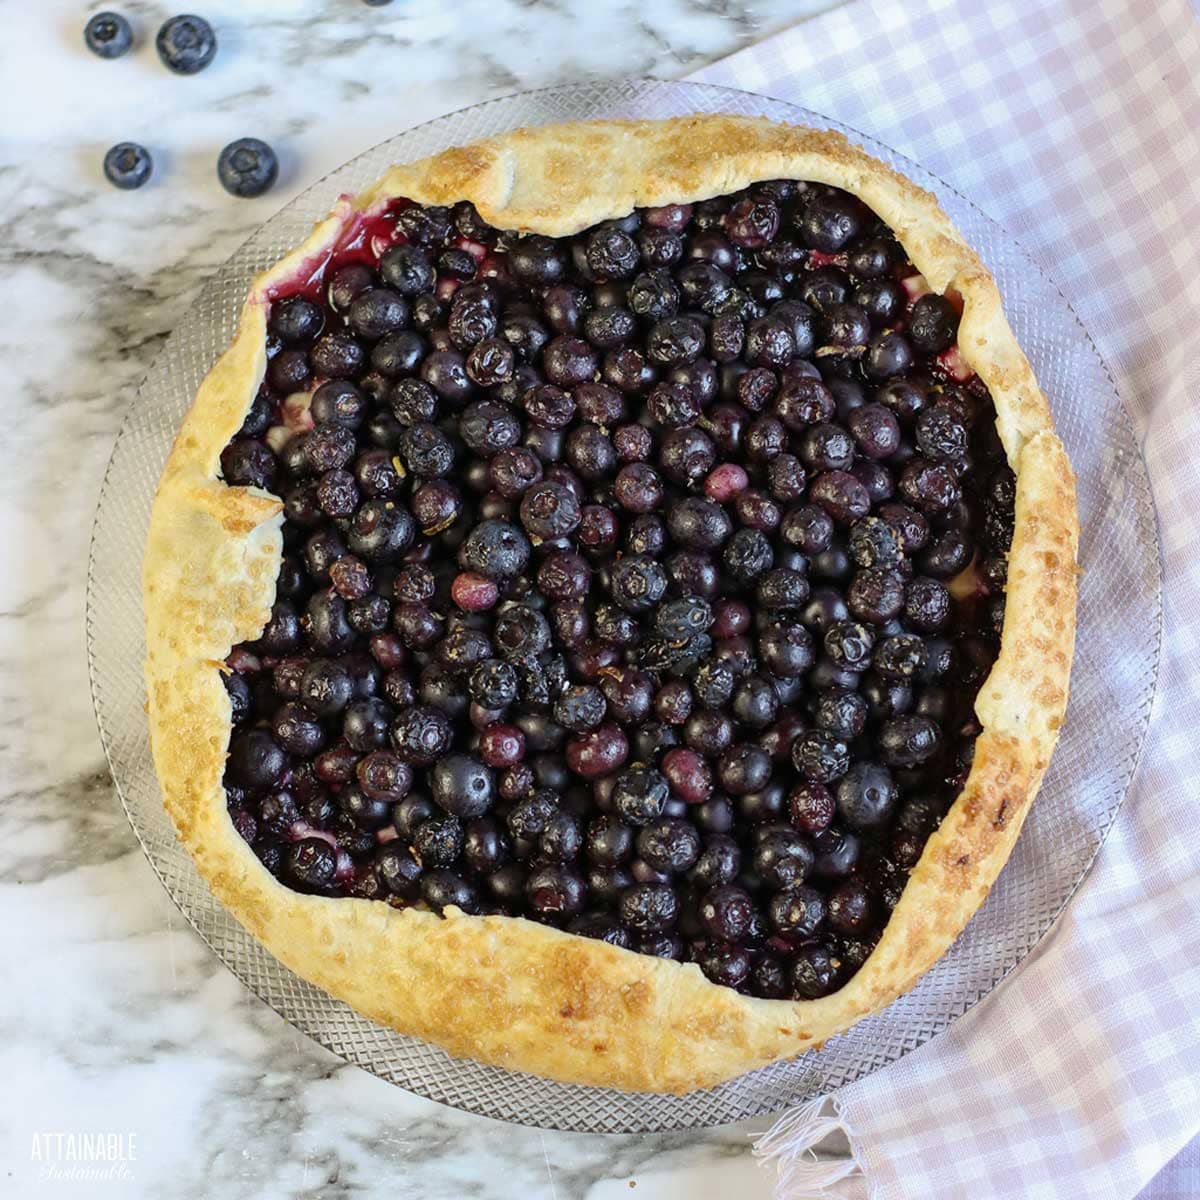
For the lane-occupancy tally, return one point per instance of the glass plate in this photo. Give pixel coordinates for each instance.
(1115, 670)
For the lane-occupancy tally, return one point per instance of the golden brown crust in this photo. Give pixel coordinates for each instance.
(504, 990)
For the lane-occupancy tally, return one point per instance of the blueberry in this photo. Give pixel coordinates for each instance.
(675, 340)
(933, 325)
(786, 650)
(380, 531)
(554, 893)
(743, 769)
(529, 817)
(362, 813)
(549, 510)
(399, 871)
(609, 842)
(561, 840)
(824, 287)
(899, 657)
(713, 682)
(602, 927)
(947, 554)
(850, 910)
(783, 859)
(241, 698)
(782, 588)
(495, 548)
(638, 583)
(669, 845)
(640, 795)
(686, 456)
(867, 797)
(841, 712)
(425, 225)
(874, 543)
(611, 253)
(753, 222)
(462, 786)
(941, 435)
(325, 687)
(568, 362)
(297, 319)
(256, 760)
(813, 973)
(310, 864)
(472, 319)
(493, 684)
(377, 312)
(442, 889)
(365, 725)
(580, 707)
(186, 44)
(698, 524)
(128, 165)
(539, 261)
(755, 702)
(408, 269)
(421, 735)
(725, 963)
(247, 167)
(931, 487)
(820, 757)
(520, 634)
(798, 911)
(876, 595)
(649, 907)
(654, 296)
(680, 619)
(438, 841)
(247, 462)
(882, 300)
(830, 221)
(748, 555)
(108, 35)
(888, 354)
(426, 451)
(769, 979)
(849, 644)
(908, 741)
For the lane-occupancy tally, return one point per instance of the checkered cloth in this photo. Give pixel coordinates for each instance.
(1076, 124)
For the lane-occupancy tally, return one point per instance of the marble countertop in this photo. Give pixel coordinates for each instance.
(114, 1017)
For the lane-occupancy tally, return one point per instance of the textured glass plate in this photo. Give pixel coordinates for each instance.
(1113, 684)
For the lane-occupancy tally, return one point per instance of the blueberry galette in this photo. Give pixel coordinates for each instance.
(611, 608)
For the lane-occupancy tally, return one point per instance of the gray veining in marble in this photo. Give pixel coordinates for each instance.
(114, 1017)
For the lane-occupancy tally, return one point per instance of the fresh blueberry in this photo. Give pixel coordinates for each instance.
(128, 165)
(186, 44)
(108, 35)
(247, 167)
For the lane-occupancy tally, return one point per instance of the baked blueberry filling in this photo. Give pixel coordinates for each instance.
(638, 582)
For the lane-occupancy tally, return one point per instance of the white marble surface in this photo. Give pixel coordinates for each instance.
(114, 1017)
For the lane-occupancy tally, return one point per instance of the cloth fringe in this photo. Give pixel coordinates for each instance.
(789, 1146)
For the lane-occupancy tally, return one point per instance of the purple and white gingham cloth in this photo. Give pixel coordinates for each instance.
(1076, 125)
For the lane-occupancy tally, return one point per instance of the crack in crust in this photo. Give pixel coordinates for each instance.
(502, 989)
